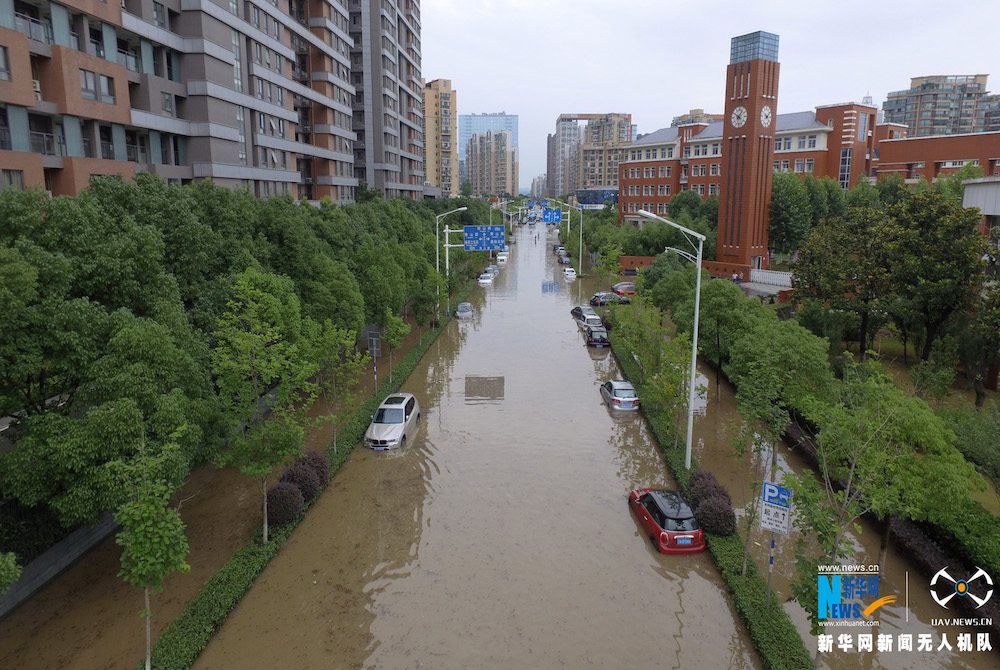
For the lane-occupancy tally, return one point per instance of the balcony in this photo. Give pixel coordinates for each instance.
(130, 60)
(97, 48)
(107, 151)
(36, 30)
(88, 148)
(135, 153)
(45, 144)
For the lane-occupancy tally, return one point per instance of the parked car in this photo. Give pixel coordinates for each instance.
(596, 336)
(579, 310)
(668, 520)
(564, 259)
(602, 298)
(494, 268)
(486, 278)
(560, 249)
(585, 321)
(394, 422)
(555, 248)
(502, 257)
(569, 274)
(624, 288)
(619, 394)
(464, 310)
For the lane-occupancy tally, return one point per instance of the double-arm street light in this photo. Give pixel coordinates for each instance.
(437, 257)
(688, 234)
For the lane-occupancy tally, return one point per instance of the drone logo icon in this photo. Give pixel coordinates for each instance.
(961, 587)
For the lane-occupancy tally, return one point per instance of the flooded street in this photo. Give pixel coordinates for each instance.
(501, 538)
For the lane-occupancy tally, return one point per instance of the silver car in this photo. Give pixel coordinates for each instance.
(618, 394)
(393, 422)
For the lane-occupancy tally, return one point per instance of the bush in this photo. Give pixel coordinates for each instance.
(715, 515)
(319, 465)
(703, 489)
(305, 478)
(284, 503)
(700, 475)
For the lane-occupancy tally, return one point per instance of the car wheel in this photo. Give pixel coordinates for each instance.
(402, 443)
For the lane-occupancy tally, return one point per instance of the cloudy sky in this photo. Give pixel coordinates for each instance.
(656, 59)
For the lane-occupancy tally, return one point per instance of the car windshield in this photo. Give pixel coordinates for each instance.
(624, 393)
(388, 415)
(681, 524)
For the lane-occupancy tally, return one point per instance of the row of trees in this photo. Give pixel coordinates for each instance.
(148, 328)
(879, 450)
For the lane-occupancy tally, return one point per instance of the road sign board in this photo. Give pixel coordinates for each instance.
(776, 508)
(551, 215)
(485, 238)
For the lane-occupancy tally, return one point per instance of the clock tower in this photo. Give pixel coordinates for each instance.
(748, 150)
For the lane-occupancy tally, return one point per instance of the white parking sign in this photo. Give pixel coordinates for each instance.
(776, 508)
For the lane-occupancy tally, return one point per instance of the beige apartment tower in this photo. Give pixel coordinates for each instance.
(492, 163)
(441, 136)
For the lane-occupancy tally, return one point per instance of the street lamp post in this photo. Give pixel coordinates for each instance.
(694, 338)
(437, 257)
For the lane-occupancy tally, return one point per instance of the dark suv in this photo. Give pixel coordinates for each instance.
(596, 336)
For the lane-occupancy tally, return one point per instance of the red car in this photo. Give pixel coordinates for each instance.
(668, 520)
(624, 288)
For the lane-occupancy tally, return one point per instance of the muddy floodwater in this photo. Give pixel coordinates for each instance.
(501, 537)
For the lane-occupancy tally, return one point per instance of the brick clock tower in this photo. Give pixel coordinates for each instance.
(748, 150)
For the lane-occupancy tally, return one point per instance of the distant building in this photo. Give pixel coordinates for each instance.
(470, 124)
(441, 136)
(695, 116)
(944, 105)
(492, 163)
(538, 186)
(587, 157)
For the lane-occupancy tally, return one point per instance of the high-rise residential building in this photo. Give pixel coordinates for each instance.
(538, 186)
(550, 162)
(218, 90)
(605, 138)
(470, 124)
(492, 163)
(944, 105)
(441, 136)
(388, 107)
(255, 95)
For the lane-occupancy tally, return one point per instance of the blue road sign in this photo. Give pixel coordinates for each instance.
(531, 203)
(551, 215)
(556, 215)
(546, 215)
(484, 238)
(772, 494)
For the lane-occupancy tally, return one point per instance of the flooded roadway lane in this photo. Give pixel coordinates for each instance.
(501, 538)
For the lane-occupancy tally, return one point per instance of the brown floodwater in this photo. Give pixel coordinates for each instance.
(501, 537)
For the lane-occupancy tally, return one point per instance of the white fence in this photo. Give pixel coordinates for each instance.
(771, 278)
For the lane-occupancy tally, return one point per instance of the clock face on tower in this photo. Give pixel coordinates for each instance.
(739, 117)
(765, 116)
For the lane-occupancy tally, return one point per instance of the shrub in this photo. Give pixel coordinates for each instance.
(700, 476)
(703, 489)
(319, 465)
(305, 478)
(284, 503)
(715, 514)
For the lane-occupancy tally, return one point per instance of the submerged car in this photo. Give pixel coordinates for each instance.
(578, 311)
(464, 310)
(596, 336)
(393, 423)
(624, 288)
(668, 521)
(603, 298)
(569, 274)
(619, 394)
(486, 278)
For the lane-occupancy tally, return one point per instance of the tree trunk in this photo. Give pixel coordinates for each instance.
(263, 490)
(902, 336)
(149, 631)
(980, 389)
(863, 335)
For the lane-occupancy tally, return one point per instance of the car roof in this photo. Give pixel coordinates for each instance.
(396, 399)
(619, 384)
(672, 504)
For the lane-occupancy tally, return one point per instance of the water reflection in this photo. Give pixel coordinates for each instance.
(481, 390)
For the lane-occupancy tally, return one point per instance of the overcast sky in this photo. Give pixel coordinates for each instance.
(656, 59)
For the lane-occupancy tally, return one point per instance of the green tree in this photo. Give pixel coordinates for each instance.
(846, 265)
(863, 194)
(951, 186)
(365, 193)
(153, 546)
(891, 189)
(10, 571)
(685, 201)
(791, 213)
(466, 189)
(395, 330)
(836, 198)
(709, 212)
(819, 200)
(936, 259)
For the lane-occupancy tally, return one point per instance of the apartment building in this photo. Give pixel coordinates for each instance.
(492, 163)
(944, 105)
(605, 138)
(471, 124)
(441, 136)
(250, 94)
(388, 104)
(538, 186)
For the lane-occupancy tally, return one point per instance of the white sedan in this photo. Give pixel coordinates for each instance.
(569, 274)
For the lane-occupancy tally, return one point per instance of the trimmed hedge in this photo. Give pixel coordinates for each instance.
(772, 632)
(189, 634)
(285, 504)
(304, 477)
(715, 515)
(319, 465)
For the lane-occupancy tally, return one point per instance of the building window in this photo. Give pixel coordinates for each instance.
(785, 165)
(713, 189)
(670, 152)
(167, 103)
(159, 15)
(845, 168)
(107, 89)
(88, 85)
(788, 144)
(715, 170)
(777, 165)
(777, 144)
(801, 144)
(799, 165)
(241, 126)
(237, 62)
(812, 142)
(810, 163)
(11, 179)
(4, 67)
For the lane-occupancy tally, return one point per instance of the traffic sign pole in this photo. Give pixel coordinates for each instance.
(770, 569)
